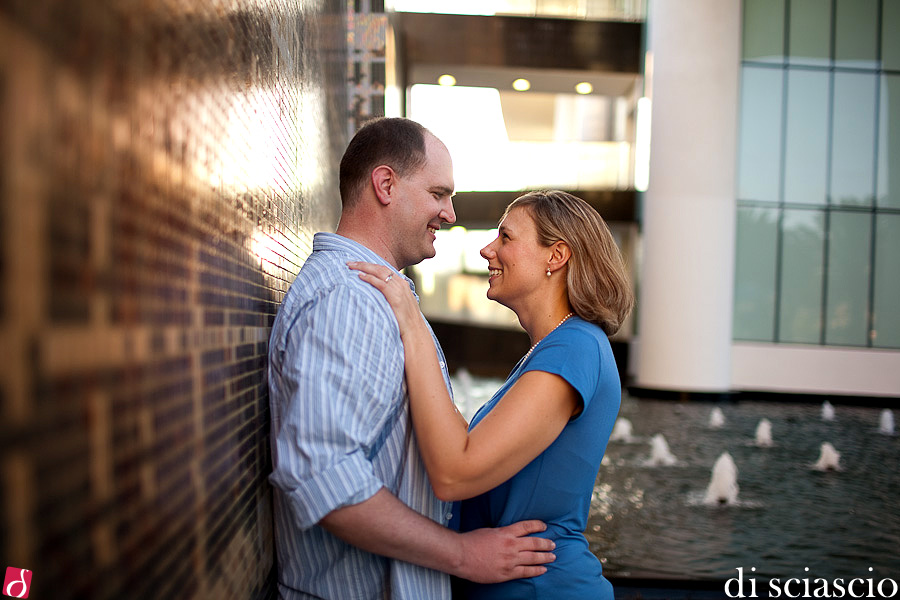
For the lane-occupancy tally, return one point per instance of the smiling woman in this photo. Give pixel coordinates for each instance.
(597, 283)
(515, 261)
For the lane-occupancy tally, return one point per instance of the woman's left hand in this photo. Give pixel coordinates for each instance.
(395, 290)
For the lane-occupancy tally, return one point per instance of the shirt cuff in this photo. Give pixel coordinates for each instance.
(344, 483)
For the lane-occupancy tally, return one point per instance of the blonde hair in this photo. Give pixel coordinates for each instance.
(597, 283)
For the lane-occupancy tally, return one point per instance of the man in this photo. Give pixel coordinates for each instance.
(355, 515)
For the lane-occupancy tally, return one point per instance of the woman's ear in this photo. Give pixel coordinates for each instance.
(559, 255)
(383, 180)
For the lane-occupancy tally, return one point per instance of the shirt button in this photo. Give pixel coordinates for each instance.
(449, 515)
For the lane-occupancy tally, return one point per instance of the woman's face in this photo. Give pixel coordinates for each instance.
(517, 262)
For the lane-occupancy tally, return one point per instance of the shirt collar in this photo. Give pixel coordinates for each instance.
(332, 242)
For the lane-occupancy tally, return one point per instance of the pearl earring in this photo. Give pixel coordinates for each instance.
(548, 270)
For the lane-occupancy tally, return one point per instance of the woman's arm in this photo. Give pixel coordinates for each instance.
(462, 464)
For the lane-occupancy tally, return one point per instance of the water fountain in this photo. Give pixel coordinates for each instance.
(716, 418)
(829, 458)
(660, 455)
(827, 411)
(764, 433)
(651, 521)
(886, 422)
(622, 431)
(723, 487)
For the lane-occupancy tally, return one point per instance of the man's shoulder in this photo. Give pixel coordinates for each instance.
(327, 286)
(326, 275)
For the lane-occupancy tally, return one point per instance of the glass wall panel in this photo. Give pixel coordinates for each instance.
(853, 139)
(800, 304)
(754, 288)
(856, 33)
(809, 35)
(889, 142)
(763, 38)
(890, 41)
(759, 152)
(820, 141)
(886, 310)
(806, 149)
(849, 244)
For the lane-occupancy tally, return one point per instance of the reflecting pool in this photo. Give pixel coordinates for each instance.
(652, 521)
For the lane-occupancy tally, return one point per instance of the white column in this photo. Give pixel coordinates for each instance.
(687, 271)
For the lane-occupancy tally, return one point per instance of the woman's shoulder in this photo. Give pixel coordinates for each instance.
(575, 341)
(577, 328)
(579, 344)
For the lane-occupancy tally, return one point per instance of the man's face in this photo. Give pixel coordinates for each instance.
(424, 203)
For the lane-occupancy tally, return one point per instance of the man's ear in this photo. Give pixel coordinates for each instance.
(383, 180)
(559, 255)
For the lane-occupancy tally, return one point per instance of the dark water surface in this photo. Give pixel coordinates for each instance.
(650, 522)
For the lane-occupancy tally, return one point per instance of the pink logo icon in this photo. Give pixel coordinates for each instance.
(17, 582)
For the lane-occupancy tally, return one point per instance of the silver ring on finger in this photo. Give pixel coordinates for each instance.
(388, 278)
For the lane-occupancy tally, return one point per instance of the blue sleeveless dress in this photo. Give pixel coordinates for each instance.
(556, 486)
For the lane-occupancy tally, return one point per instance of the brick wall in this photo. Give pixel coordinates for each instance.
(163, 166)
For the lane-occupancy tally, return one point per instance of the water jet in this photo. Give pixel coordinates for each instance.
(622, 431)
(829, 458)
(827, 411)
(723, 487)
(764, 433)
(886, 422)
(660, 455)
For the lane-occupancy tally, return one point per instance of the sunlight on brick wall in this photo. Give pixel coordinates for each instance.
(163, 166)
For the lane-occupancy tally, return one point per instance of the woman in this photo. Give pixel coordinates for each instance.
(534, 449)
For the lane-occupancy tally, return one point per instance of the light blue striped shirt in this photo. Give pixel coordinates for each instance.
(341, 430)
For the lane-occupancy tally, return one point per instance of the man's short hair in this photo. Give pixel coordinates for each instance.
(393, 141)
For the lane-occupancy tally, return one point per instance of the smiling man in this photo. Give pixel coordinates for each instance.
(355, 514)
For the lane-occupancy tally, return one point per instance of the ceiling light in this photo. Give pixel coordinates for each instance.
(447, 79)
(521, 85)
(584, 88)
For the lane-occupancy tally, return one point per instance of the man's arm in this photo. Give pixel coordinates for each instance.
(384, 525)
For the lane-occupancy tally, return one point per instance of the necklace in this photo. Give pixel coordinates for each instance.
(530, 350)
